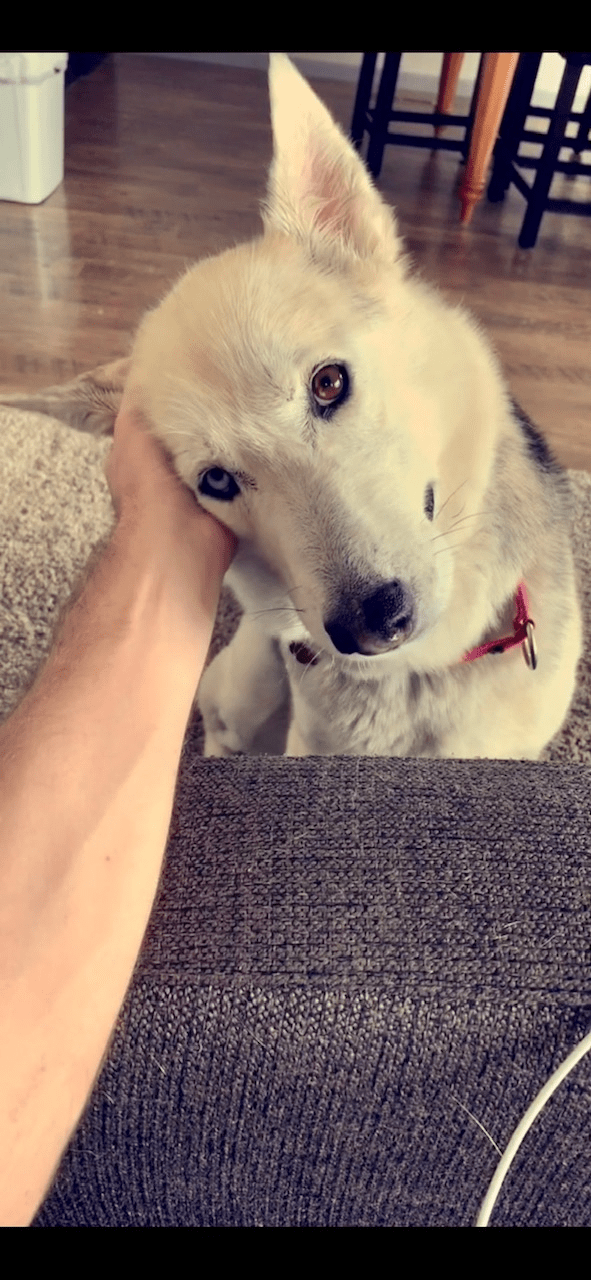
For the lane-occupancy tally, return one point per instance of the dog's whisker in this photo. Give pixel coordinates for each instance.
(466, 519)
(448, 499)
(442, 550)
(280, 608)
(437, 536)
(473, 514)
(258, 613)
(458, 523)
(312, 663)
(446, 533)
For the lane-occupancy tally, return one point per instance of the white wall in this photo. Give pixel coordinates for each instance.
(419, 72)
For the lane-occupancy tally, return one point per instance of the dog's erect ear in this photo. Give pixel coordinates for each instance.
(319, 188)
(89, 403)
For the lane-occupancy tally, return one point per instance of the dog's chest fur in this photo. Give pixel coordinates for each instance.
(408, 715)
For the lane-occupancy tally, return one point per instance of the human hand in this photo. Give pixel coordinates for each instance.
(165, 521)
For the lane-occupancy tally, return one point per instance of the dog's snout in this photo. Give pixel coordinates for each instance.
(374, 624)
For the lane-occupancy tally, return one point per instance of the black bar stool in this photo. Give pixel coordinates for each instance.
(513, 133)
(376, 120)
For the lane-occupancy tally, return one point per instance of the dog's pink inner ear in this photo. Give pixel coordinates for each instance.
(332, 195)
(328, 195)
(319, 185)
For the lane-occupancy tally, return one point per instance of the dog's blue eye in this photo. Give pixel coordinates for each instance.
(217, 483)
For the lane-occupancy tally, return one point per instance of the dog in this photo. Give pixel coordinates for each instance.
(403, 564)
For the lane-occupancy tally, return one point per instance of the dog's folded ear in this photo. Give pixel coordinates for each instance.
(89, 403)
(319, 189)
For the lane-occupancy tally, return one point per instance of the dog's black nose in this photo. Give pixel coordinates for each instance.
(374, 624)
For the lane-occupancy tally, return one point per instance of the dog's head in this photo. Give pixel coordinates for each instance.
(295, 382)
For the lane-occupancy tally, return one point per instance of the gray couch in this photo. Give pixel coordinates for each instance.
(357, 976)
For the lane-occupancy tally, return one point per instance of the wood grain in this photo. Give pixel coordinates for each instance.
(166, 161)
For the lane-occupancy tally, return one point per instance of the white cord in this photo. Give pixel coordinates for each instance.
(525, 1124)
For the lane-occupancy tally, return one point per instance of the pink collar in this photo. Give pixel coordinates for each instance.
(523, 633)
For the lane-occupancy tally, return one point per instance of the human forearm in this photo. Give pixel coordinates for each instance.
(115, 691)
(88, 768)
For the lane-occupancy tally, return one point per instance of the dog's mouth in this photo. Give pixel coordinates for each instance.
(376, 624)
(367, 646)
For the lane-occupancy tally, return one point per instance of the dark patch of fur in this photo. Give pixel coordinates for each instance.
(537, 446)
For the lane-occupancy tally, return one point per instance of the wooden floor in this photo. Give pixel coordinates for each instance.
(166, 161)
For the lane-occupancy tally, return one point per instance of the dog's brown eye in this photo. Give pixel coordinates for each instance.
(329, 384)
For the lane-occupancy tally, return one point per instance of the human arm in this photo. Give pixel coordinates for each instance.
(88, 764)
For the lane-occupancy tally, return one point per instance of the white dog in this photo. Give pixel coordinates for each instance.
(402, 528)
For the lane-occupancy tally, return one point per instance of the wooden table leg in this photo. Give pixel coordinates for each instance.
(497, 77)
(448, 83)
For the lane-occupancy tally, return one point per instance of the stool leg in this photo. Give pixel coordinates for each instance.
(497, 76)
(381, 113)
(472, 113)
(582, 139)
(554, 140)
(513, 125)
(363, 98)
(448, 83)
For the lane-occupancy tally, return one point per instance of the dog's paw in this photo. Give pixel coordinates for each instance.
(219, 740)
(212, 747)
